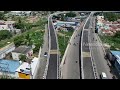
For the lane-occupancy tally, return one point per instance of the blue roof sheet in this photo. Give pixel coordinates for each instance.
(116, 54)
(11, 64)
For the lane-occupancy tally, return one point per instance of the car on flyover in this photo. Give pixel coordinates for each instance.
(103, 75)
(45, 54)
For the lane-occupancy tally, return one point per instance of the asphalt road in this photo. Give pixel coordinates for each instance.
(71, 66)
(87, 24)
(52, 67)
(52, 34)
(87, 64)
(97, 51)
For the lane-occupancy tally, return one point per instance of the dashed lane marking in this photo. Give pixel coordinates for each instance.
(54, 52)
(86, 54)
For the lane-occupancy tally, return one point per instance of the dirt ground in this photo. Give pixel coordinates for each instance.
(32, 19)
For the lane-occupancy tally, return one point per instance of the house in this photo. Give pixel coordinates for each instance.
(115, 57)
(24, 50)
(17, 31)
(100, 17)
(7, 25)
(7, 49)
(8, 68)
(24, 69)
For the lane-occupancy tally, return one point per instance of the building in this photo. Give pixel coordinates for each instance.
(17, 31)
(7, 49)
(7, 25)
(24, 50)
(24, 69)
(8, 68)
(100, 17)
(116, 56)
(59, 24)
(20, 13)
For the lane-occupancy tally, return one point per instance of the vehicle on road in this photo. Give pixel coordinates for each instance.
(103, 75)
(45, 54)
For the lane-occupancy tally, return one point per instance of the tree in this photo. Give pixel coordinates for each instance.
(22, 57)
(20, 25)
(5, 12)
(37, 47)
(70, 14)
(18, 40)
(4, 34)
(1, 16)
(110, 16)
(117, 35)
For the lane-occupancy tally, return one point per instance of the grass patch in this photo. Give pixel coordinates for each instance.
(63, 44)
(114, 42)
(36, 33)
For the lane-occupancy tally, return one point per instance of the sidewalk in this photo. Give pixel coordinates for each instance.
(43, 59)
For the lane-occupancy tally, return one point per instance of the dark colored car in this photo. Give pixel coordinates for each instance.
(45, 54)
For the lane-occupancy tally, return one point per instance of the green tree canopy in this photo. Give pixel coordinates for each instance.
(110, 16)
(22, 57)
(1, 15)
(70, 14)
(18, 40)
(5, 12)
(4, 34)
(117, 35)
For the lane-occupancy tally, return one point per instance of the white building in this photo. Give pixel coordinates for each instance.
(24, 69)
(100, 17)
(20, 13)
(24, 50)
(7, 25)
(7, 49)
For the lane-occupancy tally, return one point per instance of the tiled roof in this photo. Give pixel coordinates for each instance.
(22, 49)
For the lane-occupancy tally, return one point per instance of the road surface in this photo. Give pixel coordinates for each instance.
(52, 66)
(98, 54)
(87, 64)
(71, 67)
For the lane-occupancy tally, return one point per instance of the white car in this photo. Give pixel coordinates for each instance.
(103, 75)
